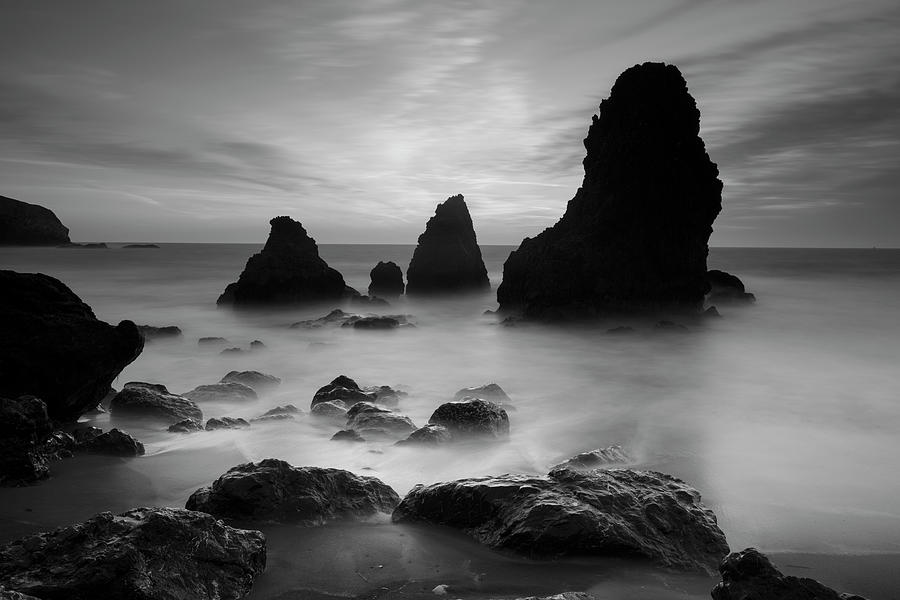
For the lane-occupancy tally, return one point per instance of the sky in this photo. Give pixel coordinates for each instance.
(199, 120)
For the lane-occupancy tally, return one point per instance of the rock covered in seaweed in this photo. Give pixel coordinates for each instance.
(287, 271)
(447, 257)
(634, 238)
(142, 554)
(24, 224)
(619, 512)
(53, 347)
(386, 280)
(273, 490)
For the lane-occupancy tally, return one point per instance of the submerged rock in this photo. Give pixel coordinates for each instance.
(288, 270)
(53, 347)
(185, 426)
(430, 435)
(226, 423)
(287, 409)
(273, 490)
(142, 554)
(211, 341)
(24, 224)
(447, 257)
(222, 392)
(749, 575)
(260, 382)
(153, 401)
(339, 318)
(619, 512)
(385, 394)
(386, 280)
(634, 238)
(347, 435)
(488, 391)
(472, 418)
(725, 288)
(151, 332)
(594, 459)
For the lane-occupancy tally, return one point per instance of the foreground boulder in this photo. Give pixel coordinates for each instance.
(24, 429)
(287, 271)
(222, 392)
(386, 280)
(153, 401)
(447, 257)
(142, 554)
(472, 418)
(53, 347)
(725, 288)
(24, 224)
(620, 512)
(634, 238)
(748, 575)
(273, 490)
(260, 382)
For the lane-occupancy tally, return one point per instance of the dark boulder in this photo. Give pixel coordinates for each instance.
(151, 332)
(185, 426)
(226, 423)
(377, 423)
(488, 391)
(344, 389)
(6, 594)
(152, 401)
(430, 435)
(287, 271)
(634, 238)
(211, 341)
(385, 394)
(447, 257)
(472, 418)
(748, 575)
(287, 409)
(142, 554)
(272, 418)
(386, 280)
(273, 490)
(619, 512)
(222, 392)
(260, 382)
(373, 322)
(725, 288)
(24, 429)
(24, 224)
(347, 435)
(333, 409)
(86, 245)
(53, 347)
(257, 345)
(335, 317)
(597, 459)
(141, 246)
(113, 443)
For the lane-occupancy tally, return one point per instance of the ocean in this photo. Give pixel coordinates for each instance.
(785, 414)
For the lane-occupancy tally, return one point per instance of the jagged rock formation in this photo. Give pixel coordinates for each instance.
(24, 224)
(748, 575)
(53, 347)
(287, 271)
(447, 258)
(273, 490)
(386, 280)
(634, 237)
(619, 512)
(142, 554)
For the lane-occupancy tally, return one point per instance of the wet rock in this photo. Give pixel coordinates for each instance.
(272, 418)
(333, 409)
(287, 409)
(273, 490)
(335, 317)
(488, 391)
(24, 429)
(430, 435)
(616, 512)
(339, 318)
(725, 288)
(341, 388)
(257, 345)
(376, 423)
(142, 554)
(153, 401)
(472, 418)
(231, 351)
(185, 426)
(749, 575)
(260, 382)
(634, 238)
(211, 341)
(375, 322)
(222, 392)
(151, 333)
(386, 280)
(287, 271)
(347, 435)
(53, 347)
(226, 423)
(113, 443)
(595, 459)
(447, 257)
(24, 224)
(385, 394)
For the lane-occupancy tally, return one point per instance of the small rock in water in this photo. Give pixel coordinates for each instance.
(257, 345)
(211, 341)
(231, 351)
(154, 333)
(373, 323)
(430, 435)
(601, 457)
(333, 409)
(114, 443)
(185, 426)
(472, 418)
(152, 401)
(488, 391)
(287, 409)
(341, 388)
(347, 435)
(222, 392)
(260, 382)
(226, 423)
(725, 288)
(440, 590)
(272, 418)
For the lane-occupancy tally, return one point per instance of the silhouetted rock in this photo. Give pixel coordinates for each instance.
(222, 392)
(601, 457)
(53, 347)
(287, 271)
(386, 280)
(341, 388)
(725, 288)
(24, 224)
(24, 429)
(260, 382)
(231, 351)
(748, 575)
(335, 317)
(140, 246)
(287, 409)
(212, 341)
(634, 237)
(376, 322)
(226, 423)
(488, 391)
(347, 435)
(273, 490)
(620, 330)
(368, 301)
(139, 400)
(87, 245)
(257, 345)
(430, 435)
(142, 554)
(185, 426)
(472, 418)
(152, 333)
(619, 512)
(113, 443)
(447, 258)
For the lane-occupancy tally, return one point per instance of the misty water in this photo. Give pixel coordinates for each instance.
(784, 414)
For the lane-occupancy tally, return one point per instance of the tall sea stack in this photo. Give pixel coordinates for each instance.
(447, 258)
(634, 237)
(24, 224)
(289, 270)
